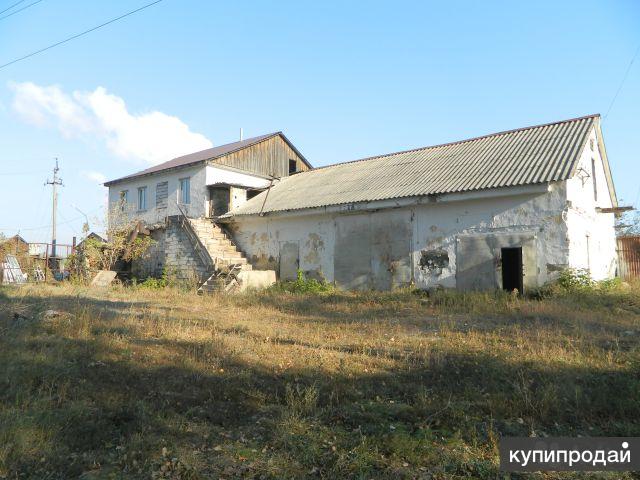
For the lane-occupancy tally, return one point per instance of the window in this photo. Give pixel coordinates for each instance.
(185, 190)
(124, 199)
(293, 167)
(142, 198)
(593, 179)
(162, 192)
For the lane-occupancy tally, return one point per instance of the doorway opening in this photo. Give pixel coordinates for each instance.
(512, 269)
(219, 199)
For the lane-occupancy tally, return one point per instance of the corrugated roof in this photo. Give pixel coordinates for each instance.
(530, 155)
(208, 154)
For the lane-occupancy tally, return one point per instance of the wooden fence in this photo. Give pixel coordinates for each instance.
(629, 257)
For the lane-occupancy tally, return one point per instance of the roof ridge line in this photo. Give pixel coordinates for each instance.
(251, 141)
(457, 142)
(256, 139)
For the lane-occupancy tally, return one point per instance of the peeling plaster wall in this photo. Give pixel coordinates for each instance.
(591, 234)
(390, 247)
(438, 227)
(260, 239)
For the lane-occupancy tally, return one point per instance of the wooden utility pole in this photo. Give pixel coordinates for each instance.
(54, 200)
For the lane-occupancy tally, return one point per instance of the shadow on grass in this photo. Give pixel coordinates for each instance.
(73, 405)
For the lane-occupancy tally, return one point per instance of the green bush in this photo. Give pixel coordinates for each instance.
(610, 284)
(305, 285)
(575, 279)
(155, 283)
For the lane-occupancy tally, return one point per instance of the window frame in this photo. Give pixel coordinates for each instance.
(184, 196)
(142, 199)
(162, 206)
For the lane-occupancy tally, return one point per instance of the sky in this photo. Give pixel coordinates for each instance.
(343, 80)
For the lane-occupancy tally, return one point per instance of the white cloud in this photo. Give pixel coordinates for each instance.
(152, 137)
(40, 105)
(94, 176)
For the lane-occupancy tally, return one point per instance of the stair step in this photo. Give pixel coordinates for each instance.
(229, 259)
(220, 245)
(234, 260)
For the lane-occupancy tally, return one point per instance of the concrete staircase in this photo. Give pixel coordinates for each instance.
(228, 259)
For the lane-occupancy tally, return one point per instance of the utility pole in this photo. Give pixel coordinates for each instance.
(54, 197)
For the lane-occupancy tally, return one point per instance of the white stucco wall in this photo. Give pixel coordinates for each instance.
(434, 226)
(216, 174)
(152, 214)
(200, 176)
(591, 234)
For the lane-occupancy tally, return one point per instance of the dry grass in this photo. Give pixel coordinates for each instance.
(132, 383)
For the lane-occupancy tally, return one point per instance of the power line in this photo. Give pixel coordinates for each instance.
(10, 7)
(20, 9)
(79, 34)
(624, 79)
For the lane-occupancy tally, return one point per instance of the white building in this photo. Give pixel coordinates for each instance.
(507, 210)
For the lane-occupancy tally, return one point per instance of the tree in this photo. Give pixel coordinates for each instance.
(628, 224)
(126, 240)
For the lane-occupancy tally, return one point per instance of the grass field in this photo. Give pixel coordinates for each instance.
(134, 383)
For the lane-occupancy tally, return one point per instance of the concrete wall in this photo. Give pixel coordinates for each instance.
(172, 251)
(153, 214)
(591, 234)
(417, 242)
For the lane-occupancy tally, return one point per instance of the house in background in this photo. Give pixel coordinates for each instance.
(15, 245)
(508, 210)
(91, 236)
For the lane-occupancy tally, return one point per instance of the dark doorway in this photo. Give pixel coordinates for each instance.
(512, 269)
(219, 198)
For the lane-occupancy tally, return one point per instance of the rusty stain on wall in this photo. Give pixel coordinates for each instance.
(314, 246)
(315, 274)
(264, 262)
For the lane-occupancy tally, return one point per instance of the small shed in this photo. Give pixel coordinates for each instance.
(629, 256)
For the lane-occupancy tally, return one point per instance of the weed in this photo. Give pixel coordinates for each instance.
(304, 285)
(133, 382)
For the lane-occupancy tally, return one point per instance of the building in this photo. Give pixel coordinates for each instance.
(507, 210)
(178, 200)
(15, 245)
(91, 236)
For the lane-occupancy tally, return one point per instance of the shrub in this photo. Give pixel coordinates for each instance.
(575, 279)
(155, 283)
(305, 285)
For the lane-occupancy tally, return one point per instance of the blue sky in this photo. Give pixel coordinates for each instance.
(343, 80)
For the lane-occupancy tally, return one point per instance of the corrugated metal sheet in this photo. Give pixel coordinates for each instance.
(525, 156)
(629, 257)
(208, 154)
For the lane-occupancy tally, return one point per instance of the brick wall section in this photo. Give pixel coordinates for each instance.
(172, 250)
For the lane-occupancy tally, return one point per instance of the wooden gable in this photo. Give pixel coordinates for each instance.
(269, 157)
